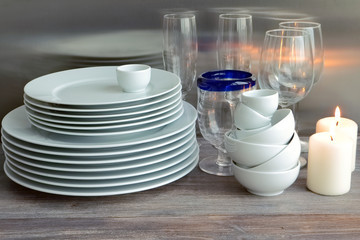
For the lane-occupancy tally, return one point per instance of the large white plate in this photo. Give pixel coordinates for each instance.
(152, 104)
(107, 182)
(126, 131)
(115, 174)
(95, 86)
(70, 191)
(102, 121)
(17, 125)
(39, 161)
(97, 116)
(140, 123)
(120, 153)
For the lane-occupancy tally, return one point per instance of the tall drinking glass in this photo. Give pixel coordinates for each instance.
(234, 43)
(181, 48)
(217, 93)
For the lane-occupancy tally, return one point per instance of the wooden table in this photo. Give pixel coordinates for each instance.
(198, 206)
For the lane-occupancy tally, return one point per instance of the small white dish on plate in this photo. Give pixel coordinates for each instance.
(133, 78)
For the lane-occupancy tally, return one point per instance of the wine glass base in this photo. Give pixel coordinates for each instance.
(210, 166)
(303, 162)
(304, 146)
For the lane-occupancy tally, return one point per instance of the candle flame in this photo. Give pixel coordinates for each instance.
(337, 115)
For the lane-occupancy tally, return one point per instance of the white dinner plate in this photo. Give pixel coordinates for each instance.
(115, 174)
(16, 124)
(102, 121)
(122, 153)
(67, 165)
(70, 191)
(152, 104)
(139, 123)
(108, 182)
(97, 116)
(126, 131)
(95, 86)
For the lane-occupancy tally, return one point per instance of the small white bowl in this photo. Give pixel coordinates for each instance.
(133, 77)
(265, 183)
(249, 154)
(280, 132)
(285, 160)
(248, 119)
(263, 101)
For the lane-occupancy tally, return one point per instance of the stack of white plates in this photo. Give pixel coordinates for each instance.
(79, 134)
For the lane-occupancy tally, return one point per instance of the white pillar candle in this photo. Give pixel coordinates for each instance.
(342, 125)
(329, 163)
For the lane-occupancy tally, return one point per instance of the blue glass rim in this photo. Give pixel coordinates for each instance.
(226, 80)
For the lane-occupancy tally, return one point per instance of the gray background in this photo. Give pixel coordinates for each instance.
(22, 20)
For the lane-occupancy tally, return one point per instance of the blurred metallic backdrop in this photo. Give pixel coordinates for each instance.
(24, 24)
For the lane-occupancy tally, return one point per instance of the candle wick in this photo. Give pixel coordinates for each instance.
(337, 123)
(332, 139)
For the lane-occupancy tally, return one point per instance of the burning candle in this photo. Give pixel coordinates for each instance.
(329, 163)
(342, 125)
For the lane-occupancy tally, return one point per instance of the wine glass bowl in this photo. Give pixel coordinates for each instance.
(315, 33)
(234, 43)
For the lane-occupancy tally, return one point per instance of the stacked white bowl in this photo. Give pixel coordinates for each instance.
(264, 147)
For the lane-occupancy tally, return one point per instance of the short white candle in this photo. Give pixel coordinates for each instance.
(344, 126)
(329, 163)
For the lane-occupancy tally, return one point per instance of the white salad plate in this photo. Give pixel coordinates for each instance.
(147, 128)
(115, 174)
(130, 108)
(16, 125)
(106, 182)
(103, 116)
(178, 108)
(101, 191)
(95, 86)
(67, 165)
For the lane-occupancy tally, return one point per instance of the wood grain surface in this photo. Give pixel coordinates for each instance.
(198, 206)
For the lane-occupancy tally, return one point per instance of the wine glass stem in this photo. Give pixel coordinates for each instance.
(223, 160)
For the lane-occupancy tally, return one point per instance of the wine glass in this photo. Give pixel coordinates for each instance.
(314, 30)
(217, 93)
(234, 41)
(181, 48)
(286, 65)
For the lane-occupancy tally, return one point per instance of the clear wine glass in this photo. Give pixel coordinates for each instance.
(314, 30)
(286, 65)
(234, 43)
(181, 48)
(218, 91)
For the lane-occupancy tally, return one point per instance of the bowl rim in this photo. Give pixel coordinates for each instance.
(226, 136)
(249, 170)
